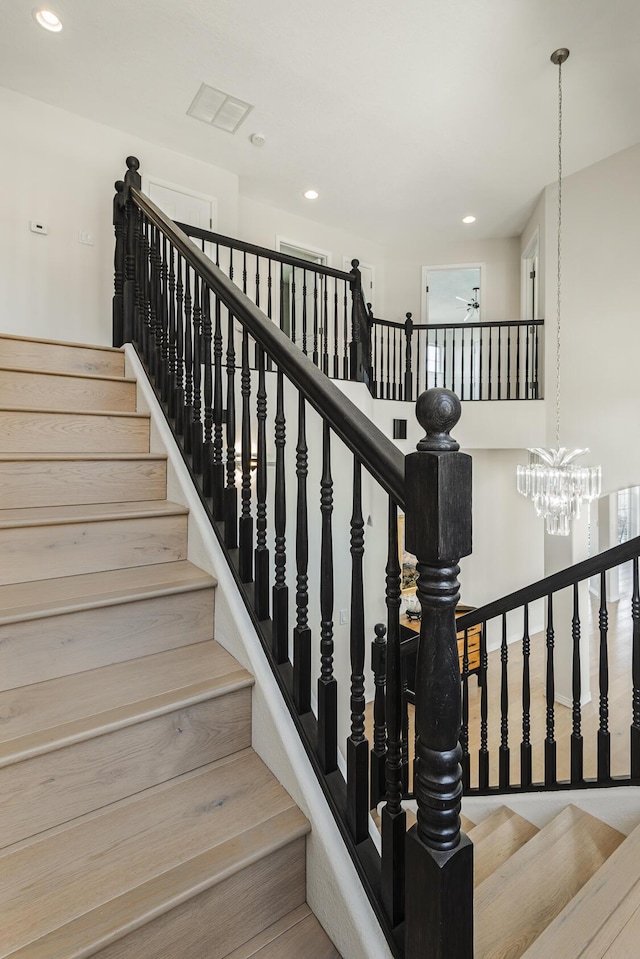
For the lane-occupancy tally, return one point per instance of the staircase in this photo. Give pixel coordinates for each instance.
(568, 890)
(137, 821)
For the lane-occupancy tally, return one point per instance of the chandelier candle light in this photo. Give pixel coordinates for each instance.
(556, 486)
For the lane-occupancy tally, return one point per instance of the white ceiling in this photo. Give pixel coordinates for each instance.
(405, 116)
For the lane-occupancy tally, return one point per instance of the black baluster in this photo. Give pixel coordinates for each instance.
(145, 291)
(154, 302)
(483, 752)
(244, 272)
(207, 448)
(446, 352)
(635, 671)
(196, 423)
(257, 296)
(324, 326)
(304, 312)
(217, 467)
(438, 531)
(327, 687)
(419, 360)
(490, 389)
(499, 330)
(261, 558)
(395, 365)
(378, 752)
(269, 291)
(293, 304)
(526, 364)
(245, 525)
(388, 363)
(509, 363)
(550, 775)
(393, 818)
(462, 339)
(315, 354)
(280, 598)
(164, 330)
(480, 365)
(230, 504)
(453, 361)
(504, 708)
(518, 376)
(357, 744)
(526, 772)
(173, 338)
(120, 230)
(345, 336)
(282, 289)
(536, 387)
(604, 736)
(576, 712)
(464, 729)
(335, 329)
(180, 364)
(301, 632)
(188, 362)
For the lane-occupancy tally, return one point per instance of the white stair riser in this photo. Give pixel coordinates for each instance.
(250, 900)
(39, 649)
(32, 355)
(46, 552)
(46, 790)
(48, 390)
(28, 431)
(79, 482)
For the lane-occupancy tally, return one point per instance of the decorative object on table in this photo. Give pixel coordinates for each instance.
(556, 486)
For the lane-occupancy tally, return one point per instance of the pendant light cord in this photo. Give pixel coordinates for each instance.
(559, 253)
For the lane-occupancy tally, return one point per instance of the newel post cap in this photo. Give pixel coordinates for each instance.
(438, 484)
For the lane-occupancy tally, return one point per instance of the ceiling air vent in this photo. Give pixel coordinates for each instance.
(219, 109)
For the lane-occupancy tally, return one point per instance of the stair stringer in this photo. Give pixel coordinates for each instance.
(334, 891)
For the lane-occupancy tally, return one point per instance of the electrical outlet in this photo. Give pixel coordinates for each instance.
(344, 617)
(37, 227)
(86, 238)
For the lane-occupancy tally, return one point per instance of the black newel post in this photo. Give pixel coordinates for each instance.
(120, 230)
(131, 179)
(408, 373)
(359, 351)
(439, 858)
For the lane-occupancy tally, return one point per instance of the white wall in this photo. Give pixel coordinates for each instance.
(600, 326)
(260, 223)
(501, 293)
(60, 168)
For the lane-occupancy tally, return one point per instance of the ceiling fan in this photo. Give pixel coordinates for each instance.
(472, 306)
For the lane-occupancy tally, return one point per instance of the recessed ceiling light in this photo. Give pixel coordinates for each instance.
(48, 20)
(468, 219)
(311, 194)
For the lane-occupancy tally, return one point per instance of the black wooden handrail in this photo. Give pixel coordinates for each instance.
(377, 452)
(483, 324)
(209, 237)
(551, 584)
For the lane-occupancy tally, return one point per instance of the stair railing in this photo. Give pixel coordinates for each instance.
(478, 361)
(530, 640)
(320, 308)
(195, 332)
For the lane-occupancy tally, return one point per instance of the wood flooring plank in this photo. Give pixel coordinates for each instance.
(65, 390)
(36, 431)
(493, 848)
(25, 353)
(74, 481)
(248, 949)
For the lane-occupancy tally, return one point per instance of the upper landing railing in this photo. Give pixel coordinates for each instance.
(236, 391)
(322, 310)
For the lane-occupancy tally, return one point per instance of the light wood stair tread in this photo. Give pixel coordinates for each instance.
(21, 601)
(296, 935)
(46, 457)
(94, 512)
(466, 825)
(69, 412)
(602, 916)
(73, 374)
(517, 901)
(44, 716)
(496, 839)
(16, 337)
(117, 867)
